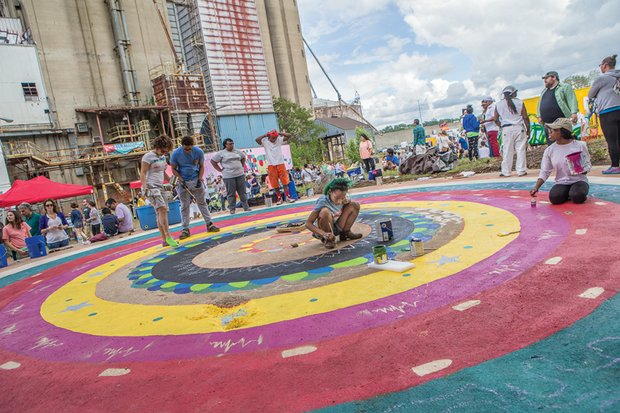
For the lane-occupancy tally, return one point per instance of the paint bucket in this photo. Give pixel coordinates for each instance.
(36, 246)
(3, 258)
(416, 247)
(268, 201)
(574, 163)
(379, 253)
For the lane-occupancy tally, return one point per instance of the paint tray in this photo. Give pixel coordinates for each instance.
(393, 265)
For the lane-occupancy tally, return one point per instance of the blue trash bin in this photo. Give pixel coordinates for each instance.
(148, 217)
(36, 246)
(174, 212)
(3, 257)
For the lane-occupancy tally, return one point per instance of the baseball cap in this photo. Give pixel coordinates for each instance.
(551, 73)
(488, 99)
(509, 89)
(561, 123)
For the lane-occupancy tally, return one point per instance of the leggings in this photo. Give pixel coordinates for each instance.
(369, 164)
(577, 192)
(472, 141)
(610, 123)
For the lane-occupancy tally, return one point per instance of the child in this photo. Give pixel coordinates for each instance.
(77, 220)
(110, 222)
(335, 214)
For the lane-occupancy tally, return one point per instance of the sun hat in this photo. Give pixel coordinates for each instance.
(561, 123)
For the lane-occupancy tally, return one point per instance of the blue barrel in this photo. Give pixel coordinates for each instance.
(148, 218)
(174, 212)
(293, 190)
(3, 259)
(36, 246)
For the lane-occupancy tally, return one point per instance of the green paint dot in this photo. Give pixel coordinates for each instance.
(468, 246)
(157, 319)
(92, 314)
(490, 225)
(83, 282)
(407, 275)
(312, 300)
(69, 299)
(483, 213)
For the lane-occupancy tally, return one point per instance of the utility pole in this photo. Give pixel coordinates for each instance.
(420, 111)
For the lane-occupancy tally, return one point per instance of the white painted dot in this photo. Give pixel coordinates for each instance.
(592, 293)
(466, 305)
(544, 202)
(600, 203)
(114, 372)
(581, 231)
(36, 282)
(298, 351)
(514, 196)
(10, 365)
(553, 261)
(432, 367)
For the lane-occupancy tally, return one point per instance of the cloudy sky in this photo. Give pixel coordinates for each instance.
(445, 54)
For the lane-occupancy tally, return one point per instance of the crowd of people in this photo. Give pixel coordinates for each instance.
(501, 130)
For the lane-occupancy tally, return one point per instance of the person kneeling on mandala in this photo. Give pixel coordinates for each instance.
(334, 214)
(570, 159)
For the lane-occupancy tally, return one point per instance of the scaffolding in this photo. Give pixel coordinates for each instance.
(190, 112)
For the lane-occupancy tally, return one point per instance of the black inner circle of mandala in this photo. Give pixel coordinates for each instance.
(180, 268)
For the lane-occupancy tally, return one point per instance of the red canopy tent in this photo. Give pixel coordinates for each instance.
(39, 189)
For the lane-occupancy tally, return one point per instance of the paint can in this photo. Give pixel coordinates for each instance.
(385, 231)
(268, 201)
(379, 253)
(416, 247)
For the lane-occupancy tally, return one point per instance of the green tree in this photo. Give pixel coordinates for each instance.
(579, 81)
(306, 145)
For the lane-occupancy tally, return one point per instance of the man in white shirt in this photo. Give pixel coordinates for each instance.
(272, 141)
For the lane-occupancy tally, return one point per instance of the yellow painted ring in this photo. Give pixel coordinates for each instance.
(482, 224)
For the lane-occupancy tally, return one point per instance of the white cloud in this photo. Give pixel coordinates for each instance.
(457, 51)
(393, 46)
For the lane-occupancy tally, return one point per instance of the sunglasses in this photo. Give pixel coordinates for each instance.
(49, 205)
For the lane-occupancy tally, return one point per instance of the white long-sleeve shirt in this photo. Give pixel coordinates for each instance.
(554, 157)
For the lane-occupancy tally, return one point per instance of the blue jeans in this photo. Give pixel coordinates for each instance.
(58, 244)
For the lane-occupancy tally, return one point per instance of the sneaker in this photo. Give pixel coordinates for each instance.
(247, 209)
(279, 203)
(504, 176)
(184, 234)
(290, 201)
(232, 212)
(212, 228)
(612, 170)
(522, 174)
(170, 241)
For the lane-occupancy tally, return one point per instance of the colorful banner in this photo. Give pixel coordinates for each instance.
(123, 148)
(256, 161)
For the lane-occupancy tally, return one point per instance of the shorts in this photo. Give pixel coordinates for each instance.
(278, 172)
(155, 195)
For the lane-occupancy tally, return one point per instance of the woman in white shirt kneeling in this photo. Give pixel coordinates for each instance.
(570, 159)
